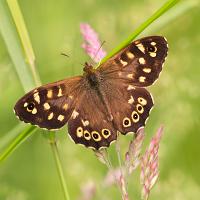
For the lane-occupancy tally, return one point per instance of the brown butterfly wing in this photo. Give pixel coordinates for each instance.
(137, 65)
(140, 62)
(89, 124)
(130, 106)
(51, 105)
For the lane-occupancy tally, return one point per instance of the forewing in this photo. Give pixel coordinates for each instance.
(51, 105)
(89, 124)
(130, 105)
(139, 63)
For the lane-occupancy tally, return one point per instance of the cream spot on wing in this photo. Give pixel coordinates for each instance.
(79, 132)
(130, 55)
(137, 42)
(75, 114)
(37, 97)
(49, 94)
(146, 70)
(25, 104)
(50, 116)
(87, 135)
(106, 133)
(130, 76)
(126, 122)
(141, 47)
(34, 111)
(142, 61)
(153, 43)
(85, 123)
(124, 63)
(142, 79)
(96, 136)
(61, 117)
(152, 54)
(46, 106)
(140, 108)
(131, 100)
(71, 97)
(142, 101)
(135, 116)
(119, 73)
(60, 92)
(130, 87)
(65, 106)
(110, 117)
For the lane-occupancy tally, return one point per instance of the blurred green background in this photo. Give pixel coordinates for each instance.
(30, 172)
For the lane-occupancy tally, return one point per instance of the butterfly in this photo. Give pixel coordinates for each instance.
(103, 101)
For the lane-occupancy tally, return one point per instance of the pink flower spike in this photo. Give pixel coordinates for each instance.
(91, 44)
(113, 176)
(149, 165)
(88, 191)
(132, 157)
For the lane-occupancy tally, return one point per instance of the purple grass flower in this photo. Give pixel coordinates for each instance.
(88, 191)
(112, 177)
(116, 176)
(92, 44)
(133, 156)
(149, 165)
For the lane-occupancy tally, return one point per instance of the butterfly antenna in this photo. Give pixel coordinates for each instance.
(64, 54)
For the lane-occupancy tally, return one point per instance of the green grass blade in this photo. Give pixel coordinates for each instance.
(11, 135)
(172, 15)
(54, 148)
(17, 142)
(10, 36)
(169, 4)
(23, 34)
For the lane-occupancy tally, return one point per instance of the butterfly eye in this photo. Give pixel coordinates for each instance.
(151, 49)
(30, 107)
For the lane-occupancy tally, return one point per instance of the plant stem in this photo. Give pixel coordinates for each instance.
(17, 141)
(123, 181)
(59, 167)
(23, 34)
(11, 38)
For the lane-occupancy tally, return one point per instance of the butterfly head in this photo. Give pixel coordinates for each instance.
(88, 68)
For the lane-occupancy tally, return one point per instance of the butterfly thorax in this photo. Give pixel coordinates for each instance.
(92, 76)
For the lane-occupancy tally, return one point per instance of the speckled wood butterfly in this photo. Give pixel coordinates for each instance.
(103, 101)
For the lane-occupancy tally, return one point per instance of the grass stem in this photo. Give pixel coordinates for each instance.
(56, 155)
(169, 4)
